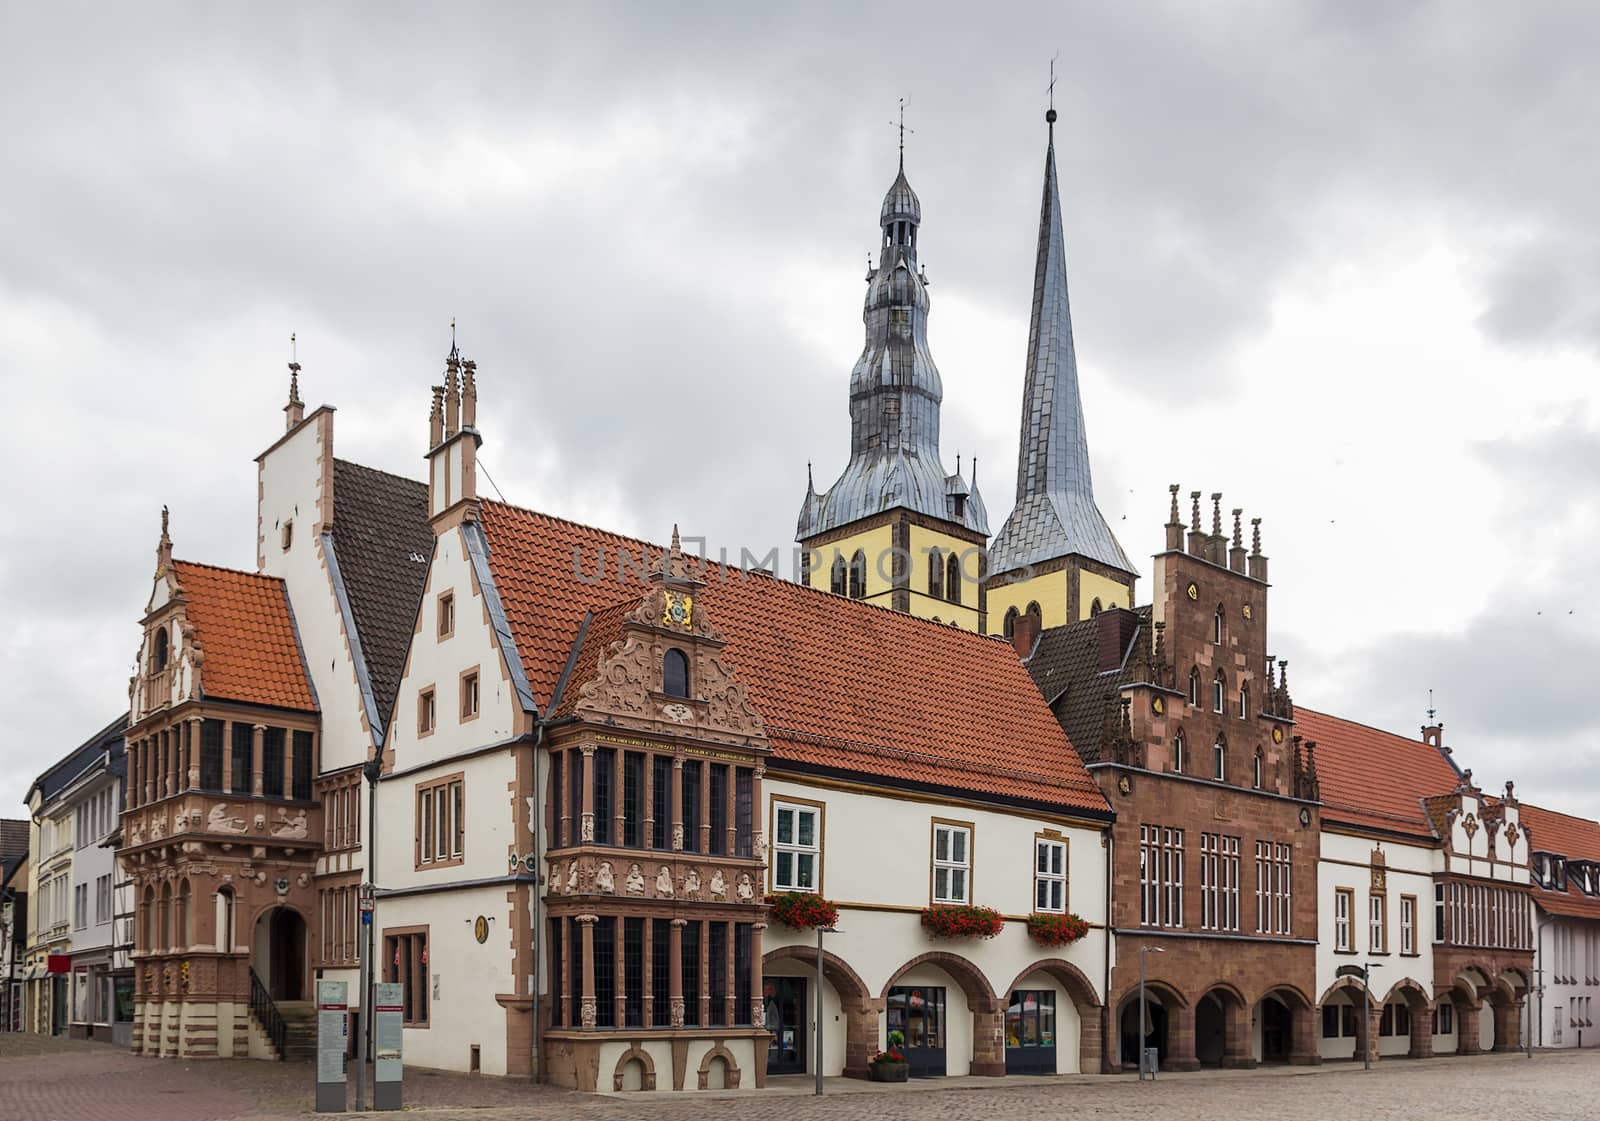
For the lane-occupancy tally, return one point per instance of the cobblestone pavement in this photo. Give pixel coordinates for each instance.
(54, 1080)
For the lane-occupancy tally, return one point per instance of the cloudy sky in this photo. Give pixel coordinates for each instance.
(1339, 261)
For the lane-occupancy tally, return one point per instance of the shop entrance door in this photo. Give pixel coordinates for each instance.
(786, 1016)
(918, 1012)
(1031, 1032)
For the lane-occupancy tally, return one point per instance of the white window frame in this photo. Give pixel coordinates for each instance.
(1378, 923)
(794, 848)
(1342, 935)
(1219, 760)
(956, 869)
(1408, 925)
(1219, 688)
(1049, 875)
(1160, 876)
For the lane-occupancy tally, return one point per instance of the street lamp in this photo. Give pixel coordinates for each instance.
(373, 770)
(1366, 1012)
(1144, 1017)
(821, 930)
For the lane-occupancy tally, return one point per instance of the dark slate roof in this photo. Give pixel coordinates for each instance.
(383, 543)
(13, 840)
(60, 776)
(1065, 667)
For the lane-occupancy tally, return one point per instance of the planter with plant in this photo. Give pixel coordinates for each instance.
(1056, 930)
(962, 921)
(890, 1065)
(800, 910)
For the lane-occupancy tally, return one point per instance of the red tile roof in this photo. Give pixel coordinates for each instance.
(244, 627)
(1372, 778)
(839, 683)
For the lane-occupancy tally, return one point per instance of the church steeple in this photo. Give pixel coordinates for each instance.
(895, 395)
(1056, 517)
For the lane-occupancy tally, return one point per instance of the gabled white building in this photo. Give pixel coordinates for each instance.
(1566, 897)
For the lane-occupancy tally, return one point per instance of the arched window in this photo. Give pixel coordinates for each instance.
(225, 920)
(164, 918)
(1009, 626)
(1095, 608)
(1218, 688)
(1194, 687)
(935, 574)
(163, 649)
(1256, 777)
(1178, 760)
(858, 575)
(1036, 613)
(675, 673)
(1216, 626)
(1244, 702)
(952, 578)
(181, 923)
(1220, 758)
(836, 583)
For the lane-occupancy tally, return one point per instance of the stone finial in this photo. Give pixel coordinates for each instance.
(1172, 519)
(1283, 675)
(469, 394)
(1238, 532)
(1194, 521)
(1511, 787)
(436, 418)
(1255, 536)
(452, 395)
(1216, 514)
(164, 546)
(295, 411)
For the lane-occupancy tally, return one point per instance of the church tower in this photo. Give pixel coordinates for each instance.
(1055, 557)
(896, 529)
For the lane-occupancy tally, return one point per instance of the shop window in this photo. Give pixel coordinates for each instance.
(405, 960)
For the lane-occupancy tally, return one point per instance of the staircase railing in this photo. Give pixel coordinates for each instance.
(265, 1010)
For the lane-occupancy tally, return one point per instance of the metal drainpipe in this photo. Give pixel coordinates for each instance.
(1105, 992)
(538, 879)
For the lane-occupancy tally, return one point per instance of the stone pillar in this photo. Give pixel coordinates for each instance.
(757, 1004)
(730, 811)
(195, 740)
(648, 836)
(1305, 1029)
(174, 760)
(649, 978)
(586, 925)
(861, 1019)
(1421, 1033)
(1467, 1018)
(1091, 1039)
(619, 974)
(133, 775)
(730, 1002)
(758, 839)
(1374, 1022)
(675, 965)
(705, 809)
(1237, 1054)
(227, 757)
(288, 764)
(676, 809)
(586, 826)
(257, 751)
(1507, 1026)
(988, 1038)
(705, 954)
(1180, 1040)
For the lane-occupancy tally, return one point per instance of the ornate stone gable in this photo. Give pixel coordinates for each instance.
(170, 656)
(628, 686)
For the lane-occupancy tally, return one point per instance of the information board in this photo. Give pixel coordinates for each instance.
(388, 1029)
(333, 1028)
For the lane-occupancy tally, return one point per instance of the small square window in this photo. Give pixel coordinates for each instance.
(288, 535)
(469, 695)
(425, 712)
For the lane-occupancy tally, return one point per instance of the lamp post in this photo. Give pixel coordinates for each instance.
(373, 770)
(817, 1058)
(1366, 1012)
(1144, 1018)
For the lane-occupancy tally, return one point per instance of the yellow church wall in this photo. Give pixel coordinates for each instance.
(1049, 590)
(963, 614)
(1092, 586)
(877, 543)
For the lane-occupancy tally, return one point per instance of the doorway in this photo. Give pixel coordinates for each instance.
(1276, 1031)
(286, 954)
(1031, 1032)
(785, 1016)
(918, 1012)
(1210, 1031)
(1155, 1036)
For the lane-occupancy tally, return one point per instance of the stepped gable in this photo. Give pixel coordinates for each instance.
(1375, 779)
(241, 621)
(383, 542)
(841, 685)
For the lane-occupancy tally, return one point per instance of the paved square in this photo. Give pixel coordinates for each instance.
(54, 1080)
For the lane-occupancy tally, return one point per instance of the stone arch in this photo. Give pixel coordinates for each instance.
(838, 972)
(1171, 1024)
(861, 1010)
(1419, 1007)
(1287, 1027)
(1222, 1027)
(733, 1073)
(635, 1054)
(1081, 992)
(968, 976)
(988, 1012)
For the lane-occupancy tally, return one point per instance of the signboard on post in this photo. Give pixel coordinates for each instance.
(333, 1027)
(388, 1031)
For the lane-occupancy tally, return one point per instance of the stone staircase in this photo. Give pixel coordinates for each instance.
(300, 1034)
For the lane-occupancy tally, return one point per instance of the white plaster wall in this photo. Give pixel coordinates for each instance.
(465, 975)
(486, 834)
(88, 865)
(1409, 872)
(1566, 947)
(291, 489)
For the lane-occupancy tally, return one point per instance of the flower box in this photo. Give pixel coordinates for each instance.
(1056, 930)
(890, 1072)
(960, 922)
(799, 910)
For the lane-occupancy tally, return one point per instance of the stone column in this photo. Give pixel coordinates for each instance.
(586, 827)
(1180, 1040)
(730, 811)
(730, 1013)
(649, 807)
(1090, 1040)
(196, 740)
(1507, 1026)
(758, 839)
(757, 1004)
(288, 763)
(705, 807)
(1237, 1054)
(1467, 1017)
(1305, 1029)
(133, 775)
(172, 737)
(257, 750)
(861, 1019)
(675, 967)
(586, 925)
(1421, 1033)
(149, 768)
(649, 980)
(676, 809)
(227, 757)
(1374, 1022)
(619, 974)
(988, 1037)
(705, 962)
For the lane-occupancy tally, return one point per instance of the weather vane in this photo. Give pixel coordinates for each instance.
(1052, 89)
(903, 131)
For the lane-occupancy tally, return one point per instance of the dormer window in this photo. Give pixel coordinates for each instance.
(288, 535)
(675, 673)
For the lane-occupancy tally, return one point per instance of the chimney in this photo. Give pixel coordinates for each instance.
(1197, 537)
(1236, 554)
(295, 411)
(1114, 630)
(1258, 562)
(1025, 634)
(1174, 523)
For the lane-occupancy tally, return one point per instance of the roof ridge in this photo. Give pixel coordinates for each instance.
(231, 571)
(1298, 707)
(380, 471)
(1559, 813)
